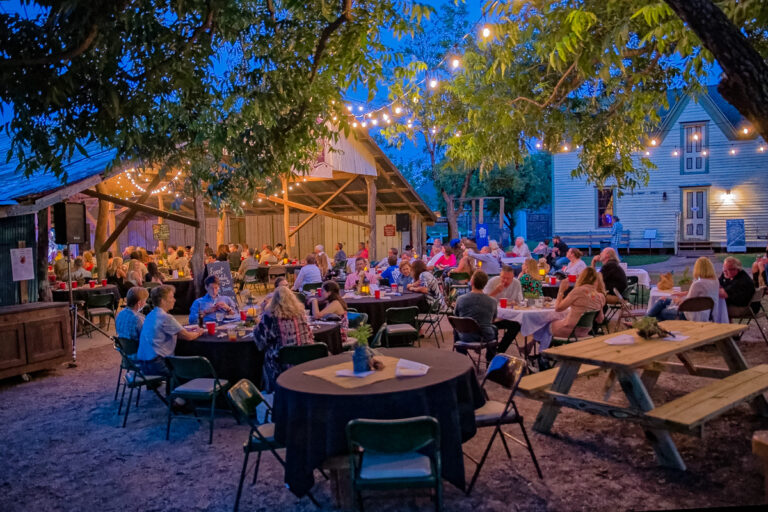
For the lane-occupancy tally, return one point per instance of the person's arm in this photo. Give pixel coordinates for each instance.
(194, 309)
(190, 335)
(563, 302)
(299, 279)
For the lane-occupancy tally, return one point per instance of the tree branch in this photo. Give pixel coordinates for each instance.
(346, 15)
(553, 95)
(57, 57)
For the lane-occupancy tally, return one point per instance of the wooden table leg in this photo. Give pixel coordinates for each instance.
(563, 382)
(637, 394)
(736, 363)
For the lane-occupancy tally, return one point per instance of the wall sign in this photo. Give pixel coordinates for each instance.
(161, 231)
(22, 264)
(389, 230)
(735, 235)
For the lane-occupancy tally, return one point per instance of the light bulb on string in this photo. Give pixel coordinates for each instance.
(486, 32)
(455, 63)
(398, 110)
(433, 83)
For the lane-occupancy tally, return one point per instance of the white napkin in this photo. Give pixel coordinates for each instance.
(621, 339)
(676, 336)
(351, 373)
(406, 368)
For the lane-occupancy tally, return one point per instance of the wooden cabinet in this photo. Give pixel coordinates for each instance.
(34, 337)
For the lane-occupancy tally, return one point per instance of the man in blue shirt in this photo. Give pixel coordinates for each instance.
(211, 302)
(309, 273)
(129, 321)
(392, 272)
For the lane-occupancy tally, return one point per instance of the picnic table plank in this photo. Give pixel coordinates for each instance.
(708, 402)
(536, 382)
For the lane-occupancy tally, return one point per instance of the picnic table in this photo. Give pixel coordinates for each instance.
(637, 367)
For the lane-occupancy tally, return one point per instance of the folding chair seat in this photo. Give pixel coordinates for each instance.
(400, 328)
(468, 326)
(587, 320)
(97, 306)
(752, 312)
(432, 320)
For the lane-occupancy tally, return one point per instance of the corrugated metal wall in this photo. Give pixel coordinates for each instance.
(13, 230)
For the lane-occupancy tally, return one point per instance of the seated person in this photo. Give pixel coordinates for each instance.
(588, 294)
(267, 256)
(384, 262)
(362, 251)
(494, 249)
(758, 270)
(340, 257)
(309, 273)
(361, 272)
(279, 281)
(78, 272)
(159, 332)
(334, 305)
(705, 284)
(180, 263)
(129, 321)
(153, 274)
(557, 256)
(613, 274)
(481, 308)
(211, 302)
(279, 252)
(542, 250)
(283, 323)
(404, 277)
(520, 249)
(249, 263)
(504, 286)
(425, 282)
(575, 263)
(391, 272)
(736, 287)
(447, 260)
(530, 280)
(487, 262)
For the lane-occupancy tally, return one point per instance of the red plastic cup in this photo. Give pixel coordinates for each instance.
(50, 268)
(393, 287)
(243, 315)
(74, 284)
(572, 278)
(552, 280)
(52, 278)
(103, 282)
(503, 302)
(211, 326)
(62, 286)
(92, 284)
(377, 294)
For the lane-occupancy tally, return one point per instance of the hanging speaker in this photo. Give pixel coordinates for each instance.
(403, 221)
(69, 223)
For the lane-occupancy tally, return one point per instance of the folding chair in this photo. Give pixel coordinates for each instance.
(129, 348)
(505, 371)
(134, 378)
(389, 454)
(753, 311)
(297, 354)
(251, 280)
(273, 272)
(697, 305)
(466, 325)
(587, 320)
(245, 398)
(400, 328)
(97, 306)
(310, 287)
(202, 385)
(432, 320)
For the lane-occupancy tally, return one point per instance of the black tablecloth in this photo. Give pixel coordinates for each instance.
(185, 295)
(82, 292)
(235, 360)
(376, 309)
(310, 413)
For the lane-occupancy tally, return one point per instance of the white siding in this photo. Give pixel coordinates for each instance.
(745, 174)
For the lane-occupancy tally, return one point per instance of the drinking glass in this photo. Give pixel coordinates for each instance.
(219, 316)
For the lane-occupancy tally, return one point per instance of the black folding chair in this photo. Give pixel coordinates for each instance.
(468, 326)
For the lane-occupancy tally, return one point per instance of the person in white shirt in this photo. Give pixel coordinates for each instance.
(575, 263)
(384, 263)
(249, 263)
(309, 273)
(520, 250)
(493, 245)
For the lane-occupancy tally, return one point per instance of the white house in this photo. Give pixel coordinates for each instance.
(711, 167)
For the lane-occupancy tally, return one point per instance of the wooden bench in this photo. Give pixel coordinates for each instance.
(590, 239)
(694, 409)
(535, 384)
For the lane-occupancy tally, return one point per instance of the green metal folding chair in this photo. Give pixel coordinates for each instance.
(297, 354)
(401, 327)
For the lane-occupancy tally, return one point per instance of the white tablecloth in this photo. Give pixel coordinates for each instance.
(642, 276)
(720, 314)
(519, 260)
(533, 321)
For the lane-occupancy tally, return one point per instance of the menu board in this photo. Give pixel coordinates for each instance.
(221, 270)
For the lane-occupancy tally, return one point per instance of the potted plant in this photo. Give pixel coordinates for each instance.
(530, 298)
(648, 326)
(686, 280)
(362, 355)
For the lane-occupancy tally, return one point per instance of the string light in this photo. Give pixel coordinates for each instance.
(455, 63)
(647, 153)
(538, 145)
(733, 151)
(704, 153)
(486, 32)
(695, 136)
(745, 131)
(565, 148)
(675, 153)
(432, 84)
(653, 142)
(398, 110)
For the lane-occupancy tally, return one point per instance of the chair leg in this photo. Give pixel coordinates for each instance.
(482, 461)
(759, 327)
(242, 477)
(119, 377)
(530, 449)
(504, 442)
(439, 495)
(213, 404)
(256, 468)
(138, 395)
(122, 396)
(170, 413)
(127, 408)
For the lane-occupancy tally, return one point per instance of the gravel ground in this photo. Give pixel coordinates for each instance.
(63, 449)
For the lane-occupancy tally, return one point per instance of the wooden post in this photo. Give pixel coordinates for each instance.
(115, 247)
(197, 257)
(287, 221)
(501, 215)
(43, 286)
(474, 219)
(370, 182)
(221, 228)
(160, 243)
(480, 209)
(102, 222)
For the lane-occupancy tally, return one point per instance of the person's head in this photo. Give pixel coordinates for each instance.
(251, 251)
(88, 256)
(280, 281)
(546, 241)
(406, 256)
(284, 304)
(152, 269)
(189, 248)
(731, 267)
(485, 250)
(360, 264)
(117, 262)
(332, 292)
(574, 254)
(507, 275)
(319, 248)
(479, 280)
(135, 255)
(409, 247)
(703, 269)
(311, 259)
(222, 249)
(392, 261)
(279, 245)
(556, 239)
(616, 219)
(531, 267)
(163, 296)
(339, 246)
(590, 276)
(79, 262)
(361, 245)
(136, 297)
(212, 286)
(519, 241)
(447, 250)
(493, 245)
(392, 252)
(405, 267)
(418, 267)
(609, 254)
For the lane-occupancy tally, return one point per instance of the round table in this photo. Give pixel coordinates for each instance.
(185, 294)
(310, 413)
(376, 309)
(235, 360)
(533, 321)
(81, 293)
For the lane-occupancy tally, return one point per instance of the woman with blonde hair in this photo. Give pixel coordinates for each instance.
(284, 323)
(530, 280)
(588, 294)
(88, 262)
(705, 284)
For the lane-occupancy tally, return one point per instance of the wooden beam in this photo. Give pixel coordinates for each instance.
(142, 208)
(370, 182)
(286, 218)
(53, 198)
(310, 209)
(402, 196)
(344, 197)
(323, 205)
(132, 213)
(102, 223)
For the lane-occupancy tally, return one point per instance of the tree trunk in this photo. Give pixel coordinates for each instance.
(221, 228)
(102, 223)
(745, 72)
(43, 285)
(160, 243)
(451, 216)
(197, 258)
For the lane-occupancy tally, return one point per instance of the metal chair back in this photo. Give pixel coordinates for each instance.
(464, 325)
(506, 371)
(696, 305)
(297, 354)
(245, 398)
(406, 315)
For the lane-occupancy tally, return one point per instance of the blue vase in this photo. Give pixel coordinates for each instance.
(360, 360)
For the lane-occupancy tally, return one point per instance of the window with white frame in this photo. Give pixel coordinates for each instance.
(694, 148)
